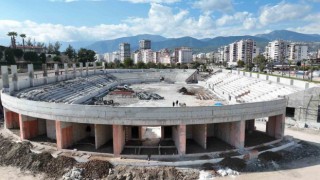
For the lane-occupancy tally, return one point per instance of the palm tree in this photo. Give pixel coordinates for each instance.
(23, 36)
(13, 35)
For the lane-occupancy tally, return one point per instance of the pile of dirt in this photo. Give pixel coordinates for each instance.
(20, 155)
(270, 156)
(185, 91)
(95, 169)
(233, 163)
(129, 172)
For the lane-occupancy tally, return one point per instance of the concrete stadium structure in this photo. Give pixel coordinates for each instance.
(56, 107)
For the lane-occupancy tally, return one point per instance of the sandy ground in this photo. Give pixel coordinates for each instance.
(14, 173)
(170, 94)
(309, 170)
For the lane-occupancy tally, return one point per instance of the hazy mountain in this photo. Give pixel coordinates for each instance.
(199, 45)
(113, 45)
(290, 36)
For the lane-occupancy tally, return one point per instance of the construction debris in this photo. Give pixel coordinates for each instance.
(148, 96)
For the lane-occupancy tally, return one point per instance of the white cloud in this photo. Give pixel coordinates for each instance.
(282, 12)
(240, 19)
(214, 5)
(153, 1)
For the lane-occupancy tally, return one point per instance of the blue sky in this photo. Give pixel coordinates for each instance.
(90, 20)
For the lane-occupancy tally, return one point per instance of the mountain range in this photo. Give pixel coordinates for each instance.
(198, 45)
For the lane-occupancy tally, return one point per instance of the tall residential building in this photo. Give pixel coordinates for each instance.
(164, 56)
(276, 51)
(156, 57)
(185, 55)
(144, 44)
(124, 50)
(297, 52)
(146, 55)
(246, 50)
(233, 52)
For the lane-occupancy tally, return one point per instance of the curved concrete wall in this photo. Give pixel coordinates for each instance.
(143, 115)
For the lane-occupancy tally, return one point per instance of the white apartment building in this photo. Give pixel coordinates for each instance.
(137, 57)
(233, 53)
(297, 52)
(246, 50)
(111, 57)
(156, 57)
(124, 50)
(164, 56)
(276, 51)
(146, 55)
(184, 55)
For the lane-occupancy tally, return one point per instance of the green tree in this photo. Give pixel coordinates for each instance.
(23, 36)
(128, 63)
(260, 61)
(141, 65)
(9, 56)
(86, 55)
(151, 65)
(70, 52)
(240, 63)
(13, 35)
(31, 56)
(1, 55)
(50, 49)
(43, 58)
(56, 48)
(57, 59)
(18, 53)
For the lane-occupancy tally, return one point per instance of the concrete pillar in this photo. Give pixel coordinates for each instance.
(199, 134)
(11, 119)
(275, 126)
(103, 133)
(51, 129)
(118, 139)
(179, 137)
(87, 69)
(232, 133)
(56, 72)
(5, 78)
(103, 65)
(74, 70)
(81, 68)
(45, 73)
(94, 67)
(14, 77)
(65, 65)
(250, 125)
(31, 74)
(64, 134)
(28, 127)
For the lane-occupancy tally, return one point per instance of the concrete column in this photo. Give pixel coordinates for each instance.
(56, 72)
(250, 125)
(118, 139)
(5, 78)
(179, 137)
(87, 69)
(232, 133)
(199, 134)
(103, 133)
(94, 67)
(65, 65)
(31, 74)
(103, 65)
(74, 70)
(14, 77)
(51, 129)
(28, 127)
(45, 73)
(275, 126)
(11, 119)
(81, 68)
(64, 134)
